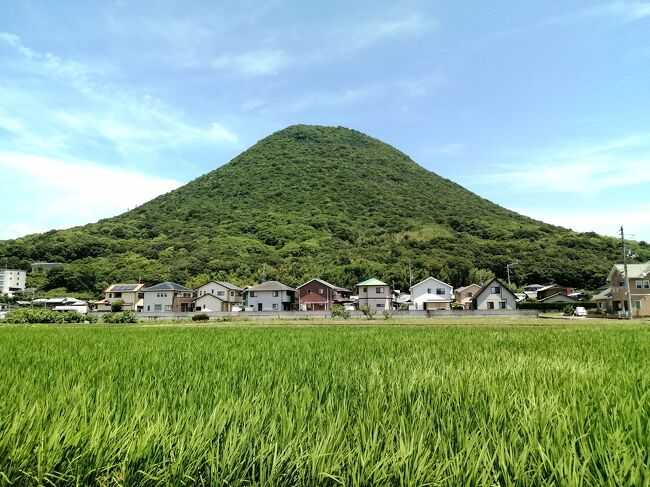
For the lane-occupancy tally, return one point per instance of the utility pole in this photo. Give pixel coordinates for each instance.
(508, 270)
(410, 278)
(628, 314)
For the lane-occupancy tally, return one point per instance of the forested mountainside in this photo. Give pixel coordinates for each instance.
(313, 201)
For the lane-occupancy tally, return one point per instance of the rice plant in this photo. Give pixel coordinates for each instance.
(333, 405)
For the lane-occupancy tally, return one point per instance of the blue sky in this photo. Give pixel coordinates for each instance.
(542, 107)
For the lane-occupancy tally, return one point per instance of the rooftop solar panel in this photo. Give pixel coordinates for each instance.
(126, 287)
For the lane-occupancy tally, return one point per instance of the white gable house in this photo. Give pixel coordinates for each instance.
(431, 294)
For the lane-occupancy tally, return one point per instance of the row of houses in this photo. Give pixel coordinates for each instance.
(319, 295)
(314, 295)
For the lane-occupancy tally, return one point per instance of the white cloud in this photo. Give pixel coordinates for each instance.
(253, 63)
(219, 132)
(578, 169)
(627, 11)
(64, 193)
(602, 220)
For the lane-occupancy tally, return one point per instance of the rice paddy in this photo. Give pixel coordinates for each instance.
(325, 405)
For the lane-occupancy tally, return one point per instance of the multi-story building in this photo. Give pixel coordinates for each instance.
(168, 297)
(639, 278)
(494, 295)
(319, 295)
(270, 296)
(218, 296)
(131, 296)
(375, 294)
(430, 294)
(12, 281)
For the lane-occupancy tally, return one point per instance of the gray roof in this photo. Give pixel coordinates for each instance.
(167, 286)
(227, 285)
(270, 286)
(606, 294)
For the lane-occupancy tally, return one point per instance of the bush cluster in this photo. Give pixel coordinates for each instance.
(122, 317)
(41, 315)
(339, 311)
(200, 317)
(555, 306)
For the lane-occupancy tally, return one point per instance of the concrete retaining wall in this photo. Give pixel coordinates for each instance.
(325, 315)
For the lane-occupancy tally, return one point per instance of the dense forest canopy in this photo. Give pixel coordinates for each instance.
(312, 201)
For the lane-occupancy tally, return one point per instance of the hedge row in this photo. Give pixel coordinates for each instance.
(556, 306)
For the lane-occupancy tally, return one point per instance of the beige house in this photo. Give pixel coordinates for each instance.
(219, 296)
(639, 279)
(130, 294)
(374, 294)
(464, 295)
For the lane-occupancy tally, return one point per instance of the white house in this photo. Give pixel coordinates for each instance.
(12, 281)
(375, 294)
(167, 297)
(431, 293)
(218, 296)
(270, 296)
(494, 295)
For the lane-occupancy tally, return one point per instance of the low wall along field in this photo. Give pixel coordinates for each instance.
(556, 404)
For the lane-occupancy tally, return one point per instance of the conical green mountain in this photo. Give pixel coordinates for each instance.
(312, 201)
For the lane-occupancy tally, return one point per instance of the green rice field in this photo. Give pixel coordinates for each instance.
(537, 402)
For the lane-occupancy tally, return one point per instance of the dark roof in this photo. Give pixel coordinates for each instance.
(325, 283)
(487, 285)
(270, 286)
(167, 286)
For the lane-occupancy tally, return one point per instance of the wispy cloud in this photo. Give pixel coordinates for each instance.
(620, 11)
(135, 123)
(379, 30)
(587, 168)
(253, 63)
(602, 220)
(76, 191)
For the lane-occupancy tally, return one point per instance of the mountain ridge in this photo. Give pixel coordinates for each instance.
(316, 201)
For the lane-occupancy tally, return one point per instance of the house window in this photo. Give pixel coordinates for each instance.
(621, 284)
(308, 291)
(440, 291)
(380, 290)
(276, 294)
(490, 305)
(379, 305)
(275, 306)
(220, 293)
(646, 284)
(639, 284)
(157, 307)
(502, 305)
(469, 295)
(637, 304)
(148, 308)
(429, 290)
(495, 290)
(232, 293)
(252, 294)
(168, 307)
(365, 289)
(321, 291)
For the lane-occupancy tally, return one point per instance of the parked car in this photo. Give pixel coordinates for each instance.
(580, 311)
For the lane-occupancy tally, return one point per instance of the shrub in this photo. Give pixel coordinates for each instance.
(339, 311)
(116, 306)
(123, 317)
(387, 314)
(553, 306)
(200, 317)
(568, 310)
(41, 315)
(367, 312)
